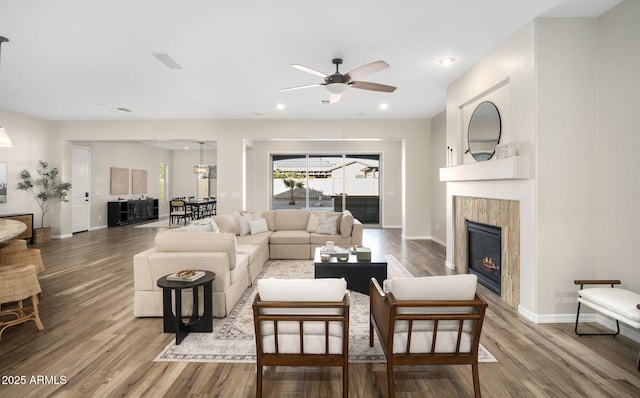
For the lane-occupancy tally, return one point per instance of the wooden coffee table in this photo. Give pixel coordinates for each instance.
(356, 273)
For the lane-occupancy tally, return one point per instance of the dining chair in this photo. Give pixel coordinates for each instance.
(178, 210)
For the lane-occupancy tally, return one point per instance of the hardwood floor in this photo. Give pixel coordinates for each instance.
(92, 346)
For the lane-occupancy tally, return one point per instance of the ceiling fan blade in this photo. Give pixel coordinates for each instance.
(373, 86)
(309, 70)
(333, 98)
(299, 87)
(367, 69)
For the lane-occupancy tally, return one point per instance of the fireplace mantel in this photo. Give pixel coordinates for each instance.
(512, 168)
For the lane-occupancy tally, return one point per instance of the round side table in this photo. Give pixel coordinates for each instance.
(196, 323)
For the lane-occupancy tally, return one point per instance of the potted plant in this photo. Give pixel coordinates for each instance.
(46, 188)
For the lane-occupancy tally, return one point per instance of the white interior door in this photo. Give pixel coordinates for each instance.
(80, 181)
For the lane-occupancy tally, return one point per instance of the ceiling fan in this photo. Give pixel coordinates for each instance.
(338, 83)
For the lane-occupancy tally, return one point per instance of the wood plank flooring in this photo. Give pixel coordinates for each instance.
(92, 346)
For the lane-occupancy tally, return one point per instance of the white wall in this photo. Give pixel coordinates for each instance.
(617, 144)
(566, 167)
(105, 155)
(573, 87)
(30, 139)
(438, 188)
(506, 76)
(232, 136)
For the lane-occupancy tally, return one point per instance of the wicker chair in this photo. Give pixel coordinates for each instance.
(13, 245)
(16, 285)
(428, 321)
(302, 322)
(16, 256)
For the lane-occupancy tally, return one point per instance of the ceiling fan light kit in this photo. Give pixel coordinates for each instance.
(337, 83)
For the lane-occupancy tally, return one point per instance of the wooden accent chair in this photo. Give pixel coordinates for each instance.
(302, 322)
(428, 321)
(178, 209)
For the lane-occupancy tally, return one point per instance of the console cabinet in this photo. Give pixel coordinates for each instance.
(131, 211)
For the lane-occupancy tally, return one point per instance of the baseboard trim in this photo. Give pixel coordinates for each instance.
(607, 322)
(417, 237)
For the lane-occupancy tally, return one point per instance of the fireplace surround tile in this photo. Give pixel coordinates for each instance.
(501, 213)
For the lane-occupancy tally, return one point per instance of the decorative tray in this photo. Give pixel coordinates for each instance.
(185, 276)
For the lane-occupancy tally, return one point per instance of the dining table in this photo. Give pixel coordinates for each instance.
(201, 208)
(11, 228)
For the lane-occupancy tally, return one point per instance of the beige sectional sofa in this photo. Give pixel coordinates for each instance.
(235, 247)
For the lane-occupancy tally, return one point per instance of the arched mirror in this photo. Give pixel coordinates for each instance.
(484, 131)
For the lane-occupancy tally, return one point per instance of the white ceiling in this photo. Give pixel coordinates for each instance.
(80, 60)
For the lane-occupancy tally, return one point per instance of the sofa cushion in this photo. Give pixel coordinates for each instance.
(448, 287)
(261, 240)
(326, 289)
(616, 300)
(312, 225)
(228, 223)
(291, 220)
(186, 241)
(289, 237)
(346, 223)
(321, 239)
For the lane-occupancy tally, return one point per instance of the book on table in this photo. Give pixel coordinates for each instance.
(176, 277)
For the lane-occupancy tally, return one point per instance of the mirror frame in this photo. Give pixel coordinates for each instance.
(483, 156)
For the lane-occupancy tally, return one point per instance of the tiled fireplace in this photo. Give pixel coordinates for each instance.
(504, 214)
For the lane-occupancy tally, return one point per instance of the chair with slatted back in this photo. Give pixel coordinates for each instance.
(178, 210)
(302, 322)
(427, 321)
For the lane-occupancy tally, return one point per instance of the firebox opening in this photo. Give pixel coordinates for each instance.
(484, 252)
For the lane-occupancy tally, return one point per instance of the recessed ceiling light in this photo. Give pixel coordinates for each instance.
(383, 106)
(446, 61)
(280, 106)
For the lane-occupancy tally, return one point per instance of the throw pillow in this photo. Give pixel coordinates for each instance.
(204, 224)
(199, 227)
(312, 225)
(244, 223)
(346, 224)
(327, 225)
(258, 226)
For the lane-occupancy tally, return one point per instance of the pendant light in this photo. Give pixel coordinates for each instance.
(201, 169)
(4, 137)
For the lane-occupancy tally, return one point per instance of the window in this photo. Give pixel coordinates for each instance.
(164, 182)
(328, 182)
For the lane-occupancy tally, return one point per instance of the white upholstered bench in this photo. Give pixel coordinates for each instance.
(620, 304)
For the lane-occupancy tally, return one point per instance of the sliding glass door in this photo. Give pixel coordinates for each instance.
(328, 182)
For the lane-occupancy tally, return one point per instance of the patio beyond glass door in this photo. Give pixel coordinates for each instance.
(328, 182)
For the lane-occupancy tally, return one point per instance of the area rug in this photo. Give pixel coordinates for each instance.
(233, 337)
(161, 223)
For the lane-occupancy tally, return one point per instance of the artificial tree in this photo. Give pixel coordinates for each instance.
(46, 187)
